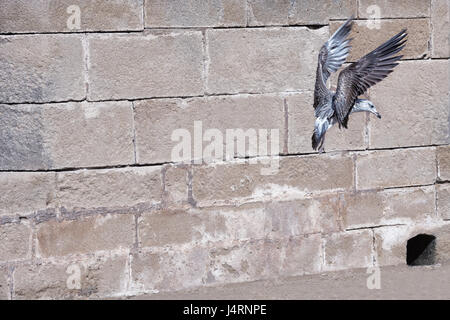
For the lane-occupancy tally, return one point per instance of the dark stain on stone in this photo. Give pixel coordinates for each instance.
(230, 269)
(9, 219)
(76, 213)
(21, 82)
(44, 215)
(22, 145)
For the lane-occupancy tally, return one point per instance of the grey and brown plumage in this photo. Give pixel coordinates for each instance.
(331, 107)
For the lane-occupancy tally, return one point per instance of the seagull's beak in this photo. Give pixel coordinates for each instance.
(378, 115)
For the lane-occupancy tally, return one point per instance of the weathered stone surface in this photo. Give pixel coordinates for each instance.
(26, 192)
(41, 68)
(367, 39)
(299, 217)
(15, 241)
(22, 143)
(155, 143)
(89, 139)
(352, 249)
(271, 220)
(246, 261)
(266, 259)
(77, 279)
(4, 284)
(440, 25)
(298, 12)
(442, 248)
(320, 11)
(301, 124)
(395, 168)
(168, 227)
(443, 200)
(176, 184)
(371, 208)
(85, 235)
(240, 181)
(390, 242)
(136, 66)
(209, 225)
(393, 9)
(109, 188)
(262, 60)
(42, 281)
(443, 162)
(106, 277)
(268, 12)
(170, 270)
(414, 103)
(192, 13)
(41, 137)
(18, 16)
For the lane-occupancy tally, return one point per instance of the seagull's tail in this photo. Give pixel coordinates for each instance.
(316, 139)
(321, 126)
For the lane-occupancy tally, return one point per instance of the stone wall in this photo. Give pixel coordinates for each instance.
(92, 203)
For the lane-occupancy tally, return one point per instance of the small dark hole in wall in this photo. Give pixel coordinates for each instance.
(420, 250)
(314, 27)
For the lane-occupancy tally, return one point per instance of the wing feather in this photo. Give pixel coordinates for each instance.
(335, 51)
(332, 56)
(364, 73)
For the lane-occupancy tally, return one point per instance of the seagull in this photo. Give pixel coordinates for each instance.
(331, 107)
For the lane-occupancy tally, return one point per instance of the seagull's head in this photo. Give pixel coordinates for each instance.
(373, 110)
(367, 105)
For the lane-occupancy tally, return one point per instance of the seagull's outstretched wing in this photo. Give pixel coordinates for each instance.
(367, 71)
(335, 51)
(332, 56)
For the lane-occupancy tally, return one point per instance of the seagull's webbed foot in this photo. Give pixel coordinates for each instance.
(321, 149)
